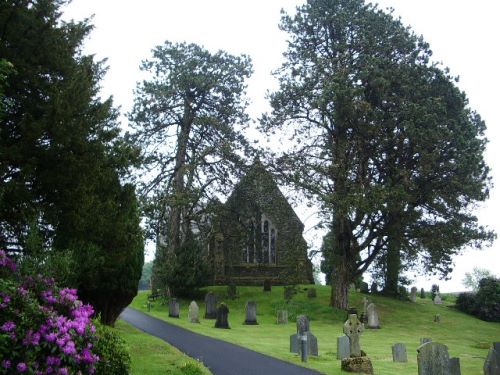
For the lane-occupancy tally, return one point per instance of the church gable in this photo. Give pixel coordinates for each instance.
(261, 236)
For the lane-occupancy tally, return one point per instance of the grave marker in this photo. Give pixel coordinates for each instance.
(399, 353)
(221, 318)
(193, 313)
(433, 359)
(210, 306)
(173, 308)
(413, 294)
(343, 350)
(251, 313)
(372, 315)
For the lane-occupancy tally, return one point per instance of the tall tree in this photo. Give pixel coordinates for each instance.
(188, 119)
(379, 135)
(62, 161)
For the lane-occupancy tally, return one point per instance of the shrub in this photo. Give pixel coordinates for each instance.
(43, 329)
(485, 304)
(232, 290)
(466, 302)
(115, 359)
(289, 291)
(311, 293)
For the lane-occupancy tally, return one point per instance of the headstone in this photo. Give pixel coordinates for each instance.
(267, 285)
(210, 306)
(251, 313)
(311, 293)
(282, 317)
(433, 359)
(303, 329)
(492, 363)
(221, 319)
(437, 318)
(413, 294)
(173, 308)
(374, 287)
(424, 340)
(422, 293)
(372, 315)
(363, 287)
(437, 300)
(343, 350)
(194, 312)
(455, 366)
(353, 329)
(399, 353)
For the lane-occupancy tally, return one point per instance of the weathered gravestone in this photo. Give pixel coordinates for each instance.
(437, 318)
(210, 306)
(399, 353)
(374, 288)
(282, 317)
(413, 294)
(221, 318)
(173, 308)
(424, 340)
(343, 350)
(251, 313)
(353, 329)
(492, 362)
(433, 359)
(363, 287)
(372, 316)
(422, 293)
(303, 330)
(438, 300)
(194, 312)
(267, 285)
(455, 366)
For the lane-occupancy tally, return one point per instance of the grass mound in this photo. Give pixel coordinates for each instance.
(401, 322)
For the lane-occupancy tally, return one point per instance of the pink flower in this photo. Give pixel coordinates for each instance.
(8, 326)
(21, 367)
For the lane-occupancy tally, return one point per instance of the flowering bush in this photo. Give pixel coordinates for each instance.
(43, 329)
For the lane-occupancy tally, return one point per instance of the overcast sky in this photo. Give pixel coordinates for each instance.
(463, 35)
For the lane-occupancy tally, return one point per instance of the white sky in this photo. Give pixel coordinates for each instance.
(463, 35)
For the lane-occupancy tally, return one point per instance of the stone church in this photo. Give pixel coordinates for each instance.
(258, 236)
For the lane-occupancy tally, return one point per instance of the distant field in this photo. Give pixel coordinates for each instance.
(402, 322)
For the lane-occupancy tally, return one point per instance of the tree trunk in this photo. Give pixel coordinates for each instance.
(340, 287)
(341, 276)
(393, 258)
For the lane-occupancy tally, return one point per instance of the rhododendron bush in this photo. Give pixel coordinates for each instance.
(43, 329)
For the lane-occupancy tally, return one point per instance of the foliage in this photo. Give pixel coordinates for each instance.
(64, 164)
(485, 303)
(383, 141)
(232, 291)
(472, 279)
(466, 302)
(112, 349)
(187, 119)
(147, 270)
(43, 328)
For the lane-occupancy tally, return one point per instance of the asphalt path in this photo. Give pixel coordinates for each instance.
(222, 358)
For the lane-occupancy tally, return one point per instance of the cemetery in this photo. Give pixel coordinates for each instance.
(457, 341)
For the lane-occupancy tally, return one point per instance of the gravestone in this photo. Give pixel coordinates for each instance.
(353, 329)
(455, 366)
(311, 293)
(399, 353)
(374, 288)
(210, 306)
(363, 287)
(492, 363)
(343, 350)
(413, 294)
(424, 340)
(422, 293)
(303, 329)
(433, 359)
(221, 318)
(194, 312)
(251, 313)
(173, 308)
(372, 315)
(438, 300)
(267, 285)
(437, 318)
(282, 317)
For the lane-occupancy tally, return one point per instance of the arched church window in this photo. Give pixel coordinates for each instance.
(265, 242)
(272, 258)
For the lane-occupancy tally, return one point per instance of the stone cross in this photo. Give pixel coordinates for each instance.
(251, 313)
(433, 359)
(221, 319)
(173, 308)
(413, 294)
(193, 313)
(353, 329)
(210, 306)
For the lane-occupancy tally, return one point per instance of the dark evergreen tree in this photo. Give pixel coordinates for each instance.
(383, 141)
(187, 119)
(61, 157)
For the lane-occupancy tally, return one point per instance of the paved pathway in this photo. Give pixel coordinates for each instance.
(222, 358)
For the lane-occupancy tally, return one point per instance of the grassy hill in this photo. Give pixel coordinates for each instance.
(401, 322)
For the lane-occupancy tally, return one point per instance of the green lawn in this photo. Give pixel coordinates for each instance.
(152, 356)
(406, 322)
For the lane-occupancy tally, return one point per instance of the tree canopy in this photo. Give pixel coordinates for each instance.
(384, 141)
(188, 116)
(62, 159)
